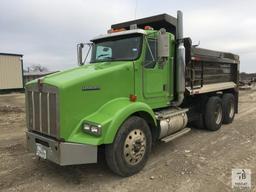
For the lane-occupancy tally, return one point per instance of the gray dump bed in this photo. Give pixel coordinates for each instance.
(208, 67)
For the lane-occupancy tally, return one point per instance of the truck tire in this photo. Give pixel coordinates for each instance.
(228, 106)
(129, 152)
(199, 123)
(213, 114)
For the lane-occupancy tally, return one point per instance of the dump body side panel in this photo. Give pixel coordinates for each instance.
(204, 67)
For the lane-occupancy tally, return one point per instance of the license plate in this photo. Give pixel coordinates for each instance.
(40, 151)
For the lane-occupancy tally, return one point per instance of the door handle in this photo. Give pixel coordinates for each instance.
(164, 87)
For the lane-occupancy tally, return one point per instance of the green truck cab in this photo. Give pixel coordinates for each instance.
(137, 89)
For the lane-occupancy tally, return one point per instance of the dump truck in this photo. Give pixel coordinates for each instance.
(145, 83)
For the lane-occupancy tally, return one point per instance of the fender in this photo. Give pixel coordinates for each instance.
(110, 116)
(125, 108)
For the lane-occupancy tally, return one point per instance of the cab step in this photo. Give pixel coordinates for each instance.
(175, 135)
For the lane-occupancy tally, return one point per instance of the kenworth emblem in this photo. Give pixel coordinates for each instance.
(90, 88)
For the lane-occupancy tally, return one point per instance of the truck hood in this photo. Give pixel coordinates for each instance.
(73, 76)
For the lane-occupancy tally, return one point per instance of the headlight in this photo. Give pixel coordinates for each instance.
(92, 129)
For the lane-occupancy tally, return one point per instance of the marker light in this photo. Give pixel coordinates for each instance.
(148, 27)
(133, 98)
(116, 30)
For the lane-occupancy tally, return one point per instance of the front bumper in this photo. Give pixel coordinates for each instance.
(62, 153)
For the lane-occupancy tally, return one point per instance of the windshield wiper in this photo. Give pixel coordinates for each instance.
(109, 57)
(102, 55)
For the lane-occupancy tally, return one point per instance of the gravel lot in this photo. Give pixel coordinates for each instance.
(198, 161)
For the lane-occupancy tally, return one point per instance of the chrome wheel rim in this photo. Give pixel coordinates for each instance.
(134, 147)
(218, 114)
(232, 110)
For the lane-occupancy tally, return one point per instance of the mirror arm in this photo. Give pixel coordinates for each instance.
(90, 47)
(150, 49)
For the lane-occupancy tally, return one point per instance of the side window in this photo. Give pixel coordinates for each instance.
(150, 58)
(103, 52)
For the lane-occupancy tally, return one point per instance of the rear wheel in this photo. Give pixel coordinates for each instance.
(213, 114)
(228, 105)
(129, 152)
(199, 123)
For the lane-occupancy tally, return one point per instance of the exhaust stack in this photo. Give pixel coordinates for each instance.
(180, 61)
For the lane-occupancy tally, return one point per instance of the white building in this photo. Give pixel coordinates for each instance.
(11, 71)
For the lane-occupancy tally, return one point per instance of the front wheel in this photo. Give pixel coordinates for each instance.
(129, 152)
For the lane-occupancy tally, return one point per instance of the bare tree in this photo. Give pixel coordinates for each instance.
(37, 68)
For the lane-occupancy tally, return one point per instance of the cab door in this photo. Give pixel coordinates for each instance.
(155, 75)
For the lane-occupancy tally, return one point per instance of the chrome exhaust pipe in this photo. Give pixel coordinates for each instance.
(180, 61)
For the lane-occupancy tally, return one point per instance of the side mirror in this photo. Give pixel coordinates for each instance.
(80, 60)
(163, 44)
(80, 47)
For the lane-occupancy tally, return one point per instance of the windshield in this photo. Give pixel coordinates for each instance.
(117, 48)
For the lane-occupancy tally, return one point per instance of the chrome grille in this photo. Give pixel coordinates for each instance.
(42, 109)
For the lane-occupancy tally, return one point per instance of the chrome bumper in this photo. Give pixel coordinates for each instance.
(62, 153)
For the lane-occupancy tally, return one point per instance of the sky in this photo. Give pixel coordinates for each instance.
(46, 31)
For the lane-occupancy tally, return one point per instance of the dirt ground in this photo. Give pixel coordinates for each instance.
(198, 161)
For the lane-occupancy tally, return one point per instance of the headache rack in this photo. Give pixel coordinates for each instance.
(157, 22)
